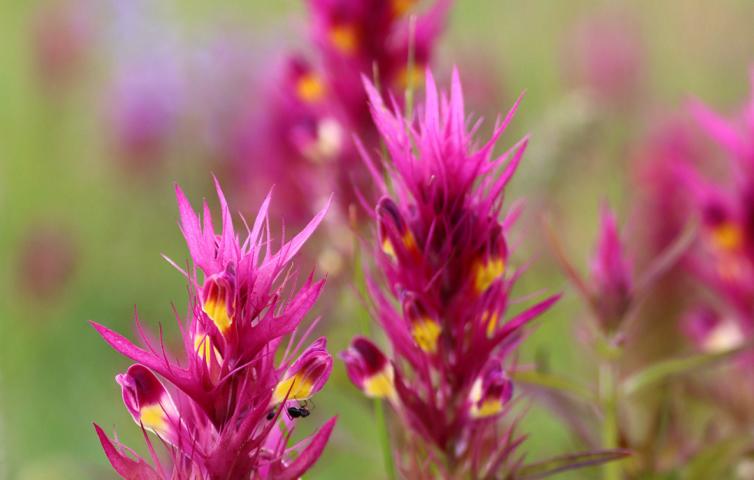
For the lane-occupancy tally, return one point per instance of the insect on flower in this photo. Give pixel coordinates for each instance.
(215, 408)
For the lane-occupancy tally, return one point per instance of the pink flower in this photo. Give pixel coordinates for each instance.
(224, 407)
(62, 37)
(47, 260)
(313, 109)
(712, 332)
(724, 257)
(663, 200)
(604, 54)
(735, 136)
(442, 253)
(369, 369)
(611, 274)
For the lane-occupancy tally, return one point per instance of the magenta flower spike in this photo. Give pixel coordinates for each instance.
(442, 255)
(222, 406)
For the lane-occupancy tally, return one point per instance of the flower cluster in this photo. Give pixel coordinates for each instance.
(443, 257)
(227, 409)
(315, 108)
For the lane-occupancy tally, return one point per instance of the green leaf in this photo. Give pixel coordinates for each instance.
(555, 465)
(677, 366)
(716, 459)
(553, 382)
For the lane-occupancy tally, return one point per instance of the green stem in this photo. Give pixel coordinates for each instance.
(608, 402)
(382, 428)
(410, 67)
(379, 409)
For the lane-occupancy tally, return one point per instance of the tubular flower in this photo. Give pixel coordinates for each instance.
(149, 403)
(306, 376)
(219, 409)
(442, 254)
(369, 369)
(491, 392)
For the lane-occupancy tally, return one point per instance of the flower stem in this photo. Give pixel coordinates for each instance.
(608, 402)
(382, 428)
(410, 67)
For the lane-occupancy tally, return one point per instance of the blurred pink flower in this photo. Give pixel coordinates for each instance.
(724, 202)
(47, 259)
(735, 136)
(604, 54)
(61, 36)
(662, 201)
(302, 141)
(710, 331)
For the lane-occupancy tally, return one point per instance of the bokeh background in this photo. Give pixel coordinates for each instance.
(88, 205)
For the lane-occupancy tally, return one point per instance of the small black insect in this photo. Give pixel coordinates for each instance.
(271, 415)
(298, 412)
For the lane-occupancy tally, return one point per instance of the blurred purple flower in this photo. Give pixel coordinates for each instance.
(143, 110)
(226, 412)
(442, 254)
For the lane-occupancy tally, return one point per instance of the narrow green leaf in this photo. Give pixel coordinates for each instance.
(667, 259)
(550, 381)
(678, 366)
(555, 465)
(715, 460)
